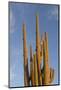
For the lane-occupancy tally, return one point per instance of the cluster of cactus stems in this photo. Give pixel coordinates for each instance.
(38, 75)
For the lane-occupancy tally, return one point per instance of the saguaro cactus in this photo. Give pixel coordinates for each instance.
(38, 52)
(26, 73)
(46, 64)
(38, 76)
(32, 68)
(35, 71)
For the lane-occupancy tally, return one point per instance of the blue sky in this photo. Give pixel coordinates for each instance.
(48, 22)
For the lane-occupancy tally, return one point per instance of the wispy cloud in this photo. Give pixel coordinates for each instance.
(53, 13)
(12, 73)
(12, 22)
(15, 67)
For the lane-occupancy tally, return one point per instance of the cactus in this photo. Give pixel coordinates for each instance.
(32, 68)
(38, 52)
(35, 71)
(26, 73)
(38, 76)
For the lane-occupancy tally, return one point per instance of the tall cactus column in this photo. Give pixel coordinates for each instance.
(26, 73)
(35, 71)
(31, 68)
(46, 64)
(38, 52)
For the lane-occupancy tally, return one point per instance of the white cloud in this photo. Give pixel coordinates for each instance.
(12, 73)
(12, 22)
(13, 55)
(53, 13)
